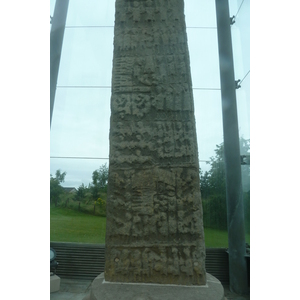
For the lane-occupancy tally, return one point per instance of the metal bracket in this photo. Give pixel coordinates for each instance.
(232, 20)
(237, 84)
(245, 160)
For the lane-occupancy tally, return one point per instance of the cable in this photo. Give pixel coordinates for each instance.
(110, 26)
(232, 19)
(91, 26)
(78, 157)
(238, 82)
(84, 86)
(84, 157)
(239, 9)
(208, 89)
(244, 77)
(108, 87)
(200, 27)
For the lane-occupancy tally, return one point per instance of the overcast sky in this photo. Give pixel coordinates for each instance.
(80, 123)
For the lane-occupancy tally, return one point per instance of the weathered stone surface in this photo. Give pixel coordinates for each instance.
(154, 212)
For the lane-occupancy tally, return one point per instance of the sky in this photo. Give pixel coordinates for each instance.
(80, 123)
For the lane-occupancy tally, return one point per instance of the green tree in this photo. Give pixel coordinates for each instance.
(56, 190)
(213, 188)
(99, 181)
(214, 179)
(213, 191)
(81, 193)
(204, 184)
(216, 173)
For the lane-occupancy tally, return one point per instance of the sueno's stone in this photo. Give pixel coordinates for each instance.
(154, 213)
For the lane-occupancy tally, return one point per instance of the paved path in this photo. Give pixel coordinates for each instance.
(72, 289)
(232, 296)
(77, 289)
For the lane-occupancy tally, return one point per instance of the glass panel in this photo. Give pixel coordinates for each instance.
(86, 57)
(240, 31)
(208, 114)
(200, 13)
(203, 49)
(204, 58)
(52, 5)
(91, 13)
(78, 171)
(80, 124)
(80, 128)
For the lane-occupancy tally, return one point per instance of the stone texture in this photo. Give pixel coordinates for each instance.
(154, 211)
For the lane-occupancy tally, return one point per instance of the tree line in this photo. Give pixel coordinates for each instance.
(92, 194)
(212, 186)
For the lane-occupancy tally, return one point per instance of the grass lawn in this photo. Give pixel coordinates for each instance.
(67, 225)
(215, 238)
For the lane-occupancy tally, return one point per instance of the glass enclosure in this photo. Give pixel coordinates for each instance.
(79, 138)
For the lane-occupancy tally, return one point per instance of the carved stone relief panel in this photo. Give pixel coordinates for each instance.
(157, 264)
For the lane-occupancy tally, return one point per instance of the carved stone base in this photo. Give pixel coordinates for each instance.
(140, 291)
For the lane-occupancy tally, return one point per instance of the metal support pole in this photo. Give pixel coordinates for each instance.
(56, 40)
(234, 192)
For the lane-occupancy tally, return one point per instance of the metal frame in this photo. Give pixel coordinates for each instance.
(56, 40)
(232, 158)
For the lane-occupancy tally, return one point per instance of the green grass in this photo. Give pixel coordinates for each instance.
(67, 225)
(215, 238)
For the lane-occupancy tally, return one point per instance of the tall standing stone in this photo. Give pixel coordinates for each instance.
(154, 211)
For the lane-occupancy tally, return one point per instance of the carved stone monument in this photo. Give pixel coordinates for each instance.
(154, 211)
(154, 232)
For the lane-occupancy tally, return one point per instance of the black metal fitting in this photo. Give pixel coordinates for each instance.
(232, 20)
